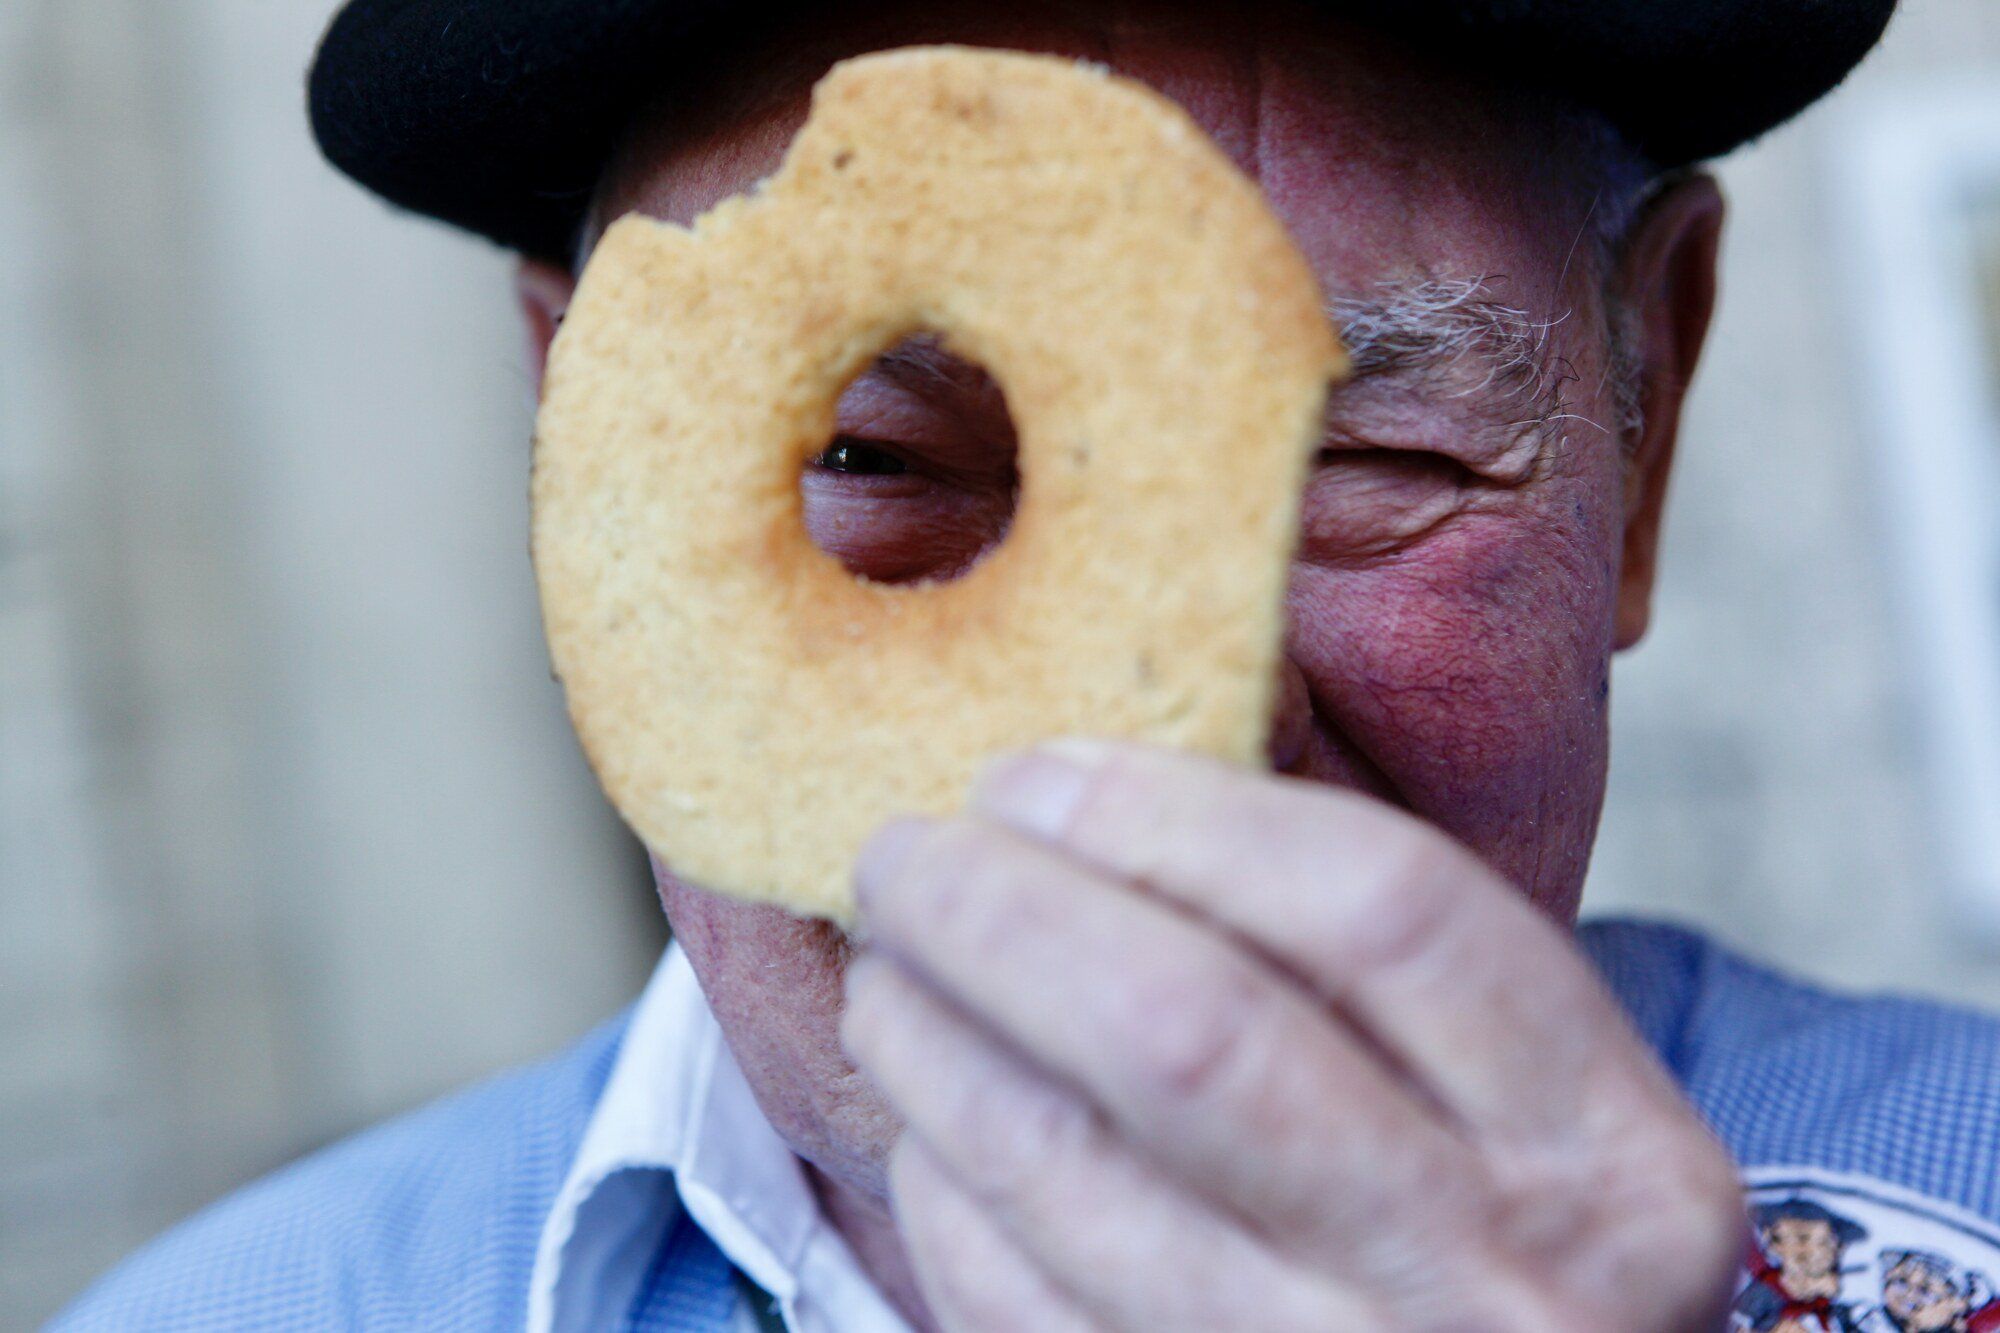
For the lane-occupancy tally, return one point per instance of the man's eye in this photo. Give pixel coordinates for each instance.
(864, 459)
(1362, 501)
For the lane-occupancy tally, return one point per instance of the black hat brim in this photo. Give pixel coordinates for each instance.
(497, 115)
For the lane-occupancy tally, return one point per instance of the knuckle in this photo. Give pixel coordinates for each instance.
(949, 847)
(1705, 1207)
(1675, 1234)
(1542, 1220)
(962, 877)
(1198, 1042)
(1020, 1140)
(1052, 1126)
(1402, 912)
(1685, 1174)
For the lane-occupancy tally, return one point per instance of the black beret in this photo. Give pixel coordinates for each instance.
(1795, 1209)
(497, 115)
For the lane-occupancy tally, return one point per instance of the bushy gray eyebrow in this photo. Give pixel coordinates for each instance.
(1454, 335)
(1438, 323)
(1429, 326)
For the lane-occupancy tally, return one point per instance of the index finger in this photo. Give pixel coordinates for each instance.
(1481, 998)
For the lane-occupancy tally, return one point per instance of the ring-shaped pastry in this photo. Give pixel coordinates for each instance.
(752, 708)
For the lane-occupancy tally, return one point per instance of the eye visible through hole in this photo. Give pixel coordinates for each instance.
(861, 458)
(920, 479)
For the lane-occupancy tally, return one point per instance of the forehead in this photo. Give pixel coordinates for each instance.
(1385, 164)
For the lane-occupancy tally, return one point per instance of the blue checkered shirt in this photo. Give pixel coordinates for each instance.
(431, 1222)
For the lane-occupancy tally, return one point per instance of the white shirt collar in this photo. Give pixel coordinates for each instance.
(677, 1127)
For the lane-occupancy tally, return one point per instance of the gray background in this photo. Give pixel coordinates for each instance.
(292, 831)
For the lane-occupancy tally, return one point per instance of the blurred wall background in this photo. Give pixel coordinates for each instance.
(292, 831)
(1767, 784)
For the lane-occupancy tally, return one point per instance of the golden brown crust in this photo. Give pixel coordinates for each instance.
(753, 709)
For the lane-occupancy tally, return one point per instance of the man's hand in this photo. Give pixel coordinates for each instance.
(1181, 1046)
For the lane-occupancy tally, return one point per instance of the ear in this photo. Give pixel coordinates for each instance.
(544, 291)
(1667, 282)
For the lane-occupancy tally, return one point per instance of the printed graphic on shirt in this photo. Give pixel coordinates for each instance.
(1845, 1254)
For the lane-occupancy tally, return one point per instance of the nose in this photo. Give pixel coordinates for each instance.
(1291, 716)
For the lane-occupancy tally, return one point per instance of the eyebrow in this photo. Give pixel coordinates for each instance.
(922, 360)
(1454, 336)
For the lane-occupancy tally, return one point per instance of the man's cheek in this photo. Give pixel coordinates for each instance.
(774, 982)
(1471, 673)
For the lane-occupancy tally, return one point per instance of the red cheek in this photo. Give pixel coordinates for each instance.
(1470, 672)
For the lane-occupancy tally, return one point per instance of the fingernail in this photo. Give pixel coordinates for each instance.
(1037, 791)
(883, 854)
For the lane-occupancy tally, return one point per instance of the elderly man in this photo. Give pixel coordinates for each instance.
(1139, 1041)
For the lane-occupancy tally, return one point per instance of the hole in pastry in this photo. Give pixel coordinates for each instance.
(921, 477)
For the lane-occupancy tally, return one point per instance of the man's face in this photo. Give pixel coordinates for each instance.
(1806, 1252)
(1919, 1298)
(1453, 601)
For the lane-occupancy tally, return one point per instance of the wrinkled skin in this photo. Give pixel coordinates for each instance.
(1460, 588)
